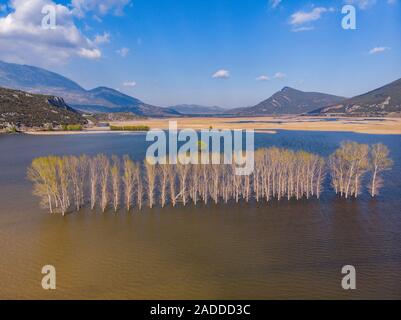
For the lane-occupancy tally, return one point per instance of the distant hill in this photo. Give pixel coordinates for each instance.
(101, 99)
(384, 101)
(109, 100)
(289, 101)
(194, 109)
(22, 109)
(114, 116)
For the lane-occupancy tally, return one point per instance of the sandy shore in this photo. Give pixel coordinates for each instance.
(95, 130)
(259, 124)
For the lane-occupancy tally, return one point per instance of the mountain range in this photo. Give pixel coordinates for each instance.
(195, 109)
(102, 99)
(289, 101)
(22, 109)
(384, 101)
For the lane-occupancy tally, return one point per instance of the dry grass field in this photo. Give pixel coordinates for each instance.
(270, 124)
(261, 124)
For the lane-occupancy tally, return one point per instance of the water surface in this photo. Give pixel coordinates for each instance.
(281, 250)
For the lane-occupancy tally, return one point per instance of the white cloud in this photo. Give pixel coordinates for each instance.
(123, 52)
(274, 3)
(378, 50)
(129, 84)
(302, 17)
(90, 54)
(104, 38)
(366, 4)
(99, 7)
(24, 40)
(279, 75)
(302, 29)
(221, 74)
(362, 4)
(263, 78)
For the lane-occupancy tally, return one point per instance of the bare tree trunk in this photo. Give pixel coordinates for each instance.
(115, 182)
(373, 186)
(104, 167)
(151, 180)
(172, 182)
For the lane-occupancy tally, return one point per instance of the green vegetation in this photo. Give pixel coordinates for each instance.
(11, 129)
(114, 116)
(130, 128)
(34, 111)
(72, 127)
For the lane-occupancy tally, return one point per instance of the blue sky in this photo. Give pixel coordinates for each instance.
(211, 52)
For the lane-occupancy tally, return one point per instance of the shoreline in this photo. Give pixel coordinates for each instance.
(379, 126)
(58, 133)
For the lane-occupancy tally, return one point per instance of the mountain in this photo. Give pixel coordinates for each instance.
(289, 101)
(101, 99)
(384, 101)
(23, 109)
(194, 109)
(109, 100)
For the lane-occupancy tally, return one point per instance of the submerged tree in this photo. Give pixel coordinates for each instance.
(150, 169)
(129, 181)
(348, 164)
(163, 172)
(93, 179)
(42, 173)
(104, 173)
(379, 161)
(77, 170)
(65, 182)
(115, 181)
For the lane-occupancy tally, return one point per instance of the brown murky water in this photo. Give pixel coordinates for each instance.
(242, 251)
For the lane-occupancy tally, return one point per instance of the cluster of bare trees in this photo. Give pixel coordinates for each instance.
(349, 163)
(70, 182)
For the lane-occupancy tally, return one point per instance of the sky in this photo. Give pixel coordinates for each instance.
(209, 52)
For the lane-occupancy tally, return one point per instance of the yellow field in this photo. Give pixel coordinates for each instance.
(259, 124)
(269, 124)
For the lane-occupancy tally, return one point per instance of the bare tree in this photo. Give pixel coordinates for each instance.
(139, 186)
(94, 179)
(194, 184)
(76, 168)
(182, 175)
(172, 183)
(347, 165)
(129, 181)
(279, 173)
(42, 173)
(62, 195)
(379, 161)
(162, 170)
(104, 173)
(115, 181)
(150, 169)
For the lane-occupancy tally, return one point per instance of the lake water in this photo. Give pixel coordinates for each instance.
(280, 250)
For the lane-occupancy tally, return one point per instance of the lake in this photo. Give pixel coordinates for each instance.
(280, 250)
